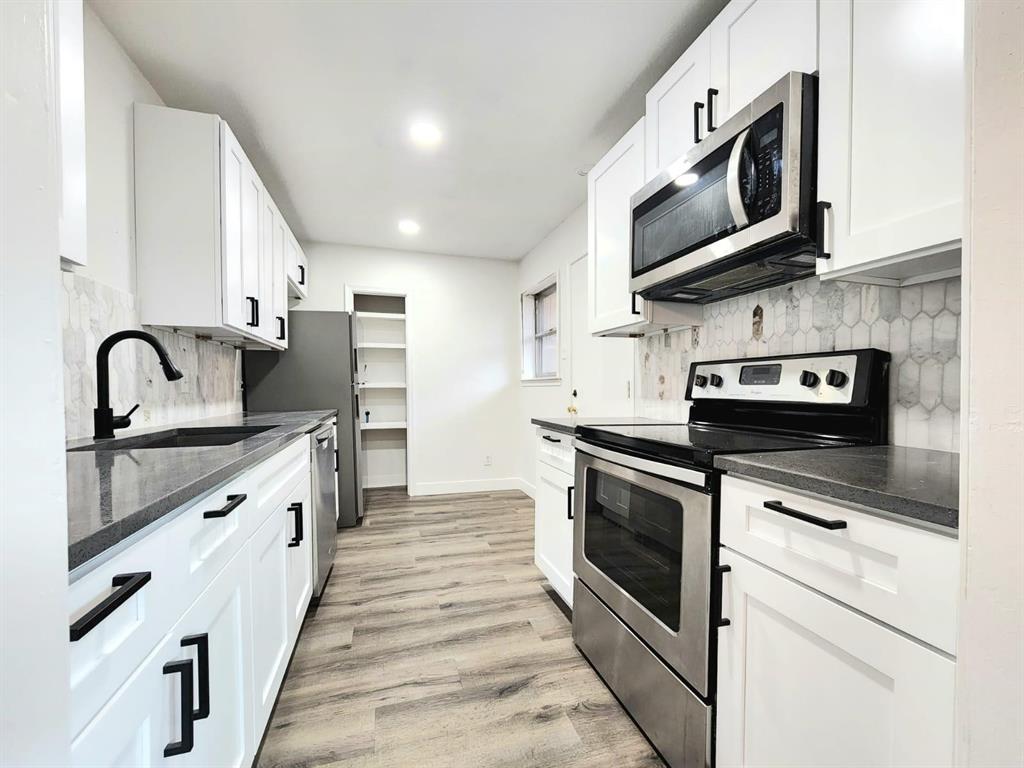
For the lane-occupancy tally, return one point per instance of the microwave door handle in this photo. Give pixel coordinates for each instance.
(732, 181)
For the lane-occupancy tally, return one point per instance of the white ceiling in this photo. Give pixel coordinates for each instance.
(321, 95)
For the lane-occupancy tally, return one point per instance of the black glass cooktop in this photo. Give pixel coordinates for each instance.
(693, 444)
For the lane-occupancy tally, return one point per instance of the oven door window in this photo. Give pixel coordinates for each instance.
(634, 536)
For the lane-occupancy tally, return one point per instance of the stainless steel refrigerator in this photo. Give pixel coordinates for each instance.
(317, 371)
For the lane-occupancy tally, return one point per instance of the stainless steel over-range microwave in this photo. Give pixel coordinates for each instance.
(737, 213)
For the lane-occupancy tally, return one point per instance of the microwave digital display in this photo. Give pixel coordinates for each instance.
(760, 375)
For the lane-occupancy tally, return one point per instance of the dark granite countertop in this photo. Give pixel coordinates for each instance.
(914, 483)
(569, 424)
(114, 494)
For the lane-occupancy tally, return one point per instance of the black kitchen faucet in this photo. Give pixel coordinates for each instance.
(104, 420)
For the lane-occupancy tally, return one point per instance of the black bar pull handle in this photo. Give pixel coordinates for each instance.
(202, 643)
(257, 312)
(778, 506)
(183, 668)
(551, 439)
(722, 570)
(823, 206)
(252, 311)
(297, 509)
(126, 585)
(632, 305)
(568, 497)
(234, 501)
(280, 328)
(712, 92)
(302, 274)
(697, 107)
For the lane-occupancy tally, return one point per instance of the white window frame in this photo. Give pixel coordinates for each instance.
(531, 338)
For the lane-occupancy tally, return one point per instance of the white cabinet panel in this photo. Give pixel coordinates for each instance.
(241, 193)
(756, 42)
(298, 268)
(553, 528)
(804, 681)
(300, 555)
(69, 55)
(669, 110)
(268, 556)
(891, 129)
(610, 184)
(275, 233)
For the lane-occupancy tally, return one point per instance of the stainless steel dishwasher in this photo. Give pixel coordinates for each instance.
(325, 507)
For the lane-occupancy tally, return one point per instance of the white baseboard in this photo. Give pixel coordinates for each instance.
(528, 488)
(466, 486)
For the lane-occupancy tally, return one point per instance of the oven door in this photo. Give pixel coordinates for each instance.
(642, 543)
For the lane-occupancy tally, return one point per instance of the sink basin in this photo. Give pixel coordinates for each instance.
(185, 437)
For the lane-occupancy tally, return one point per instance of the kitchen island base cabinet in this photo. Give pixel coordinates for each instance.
(136, 727)
(805, 681)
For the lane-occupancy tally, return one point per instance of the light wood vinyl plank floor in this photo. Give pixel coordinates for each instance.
(436, 645)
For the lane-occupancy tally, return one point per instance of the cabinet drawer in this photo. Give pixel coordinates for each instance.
(555, 448)
(275, 479)
(182, 557)
(904, 576)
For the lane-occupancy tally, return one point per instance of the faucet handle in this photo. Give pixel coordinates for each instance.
(120, 422)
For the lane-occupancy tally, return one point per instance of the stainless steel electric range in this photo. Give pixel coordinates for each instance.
(647, 585)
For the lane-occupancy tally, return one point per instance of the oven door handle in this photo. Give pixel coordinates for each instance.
(655, 468)
(732, 181)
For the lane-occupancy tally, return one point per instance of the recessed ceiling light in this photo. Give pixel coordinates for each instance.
(425, 133)
(686, 179)
(408, 227)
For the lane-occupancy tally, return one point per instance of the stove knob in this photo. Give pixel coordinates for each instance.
(809, 379)
(700, 381)
(716, 380)
(836, 378)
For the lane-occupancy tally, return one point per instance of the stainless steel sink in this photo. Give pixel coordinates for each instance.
(185, 437)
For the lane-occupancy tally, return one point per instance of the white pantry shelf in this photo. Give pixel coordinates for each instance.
(378, 345)
(382, 385)
(364, 425)
(380, 315)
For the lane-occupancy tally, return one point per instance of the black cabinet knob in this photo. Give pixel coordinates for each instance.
(700, 380)
(715, 379)
(809, 379)
(836, 378)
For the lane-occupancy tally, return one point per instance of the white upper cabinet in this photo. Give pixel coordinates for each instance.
(298, 268)
(754, 43)
(69, 55)
(610, 184)
(891, 135)
(211, 256)
(671, 112)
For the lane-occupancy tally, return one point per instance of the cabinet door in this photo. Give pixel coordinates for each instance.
(300, 555)
(805, 681)
(70, 115)
(891, 128)
(274, 325)
(553, 528)
(610, 184)
(756, 42)
(298, 268)
(241, 192)
(669, 113)
(268, 557)
(144, 715)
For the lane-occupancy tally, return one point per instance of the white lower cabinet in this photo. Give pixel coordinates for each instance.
(217, 618)
(806, 681)
(553, 528)
(206, 651)
(270, 624)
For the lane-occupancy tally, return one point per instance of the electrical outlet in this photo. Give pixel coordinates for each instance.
(487, 461)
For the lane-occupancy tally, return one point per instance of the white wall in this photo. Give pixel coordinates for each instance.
(462, 326)
(990, 664)
(34, 696)
(112, 84)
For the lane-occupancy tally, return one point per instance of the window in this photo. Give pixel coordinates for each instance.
(540, 331)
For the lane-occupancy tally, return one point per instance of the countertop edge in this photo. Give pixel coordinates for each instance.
(554, 426)
(92, 550)
(892, 504)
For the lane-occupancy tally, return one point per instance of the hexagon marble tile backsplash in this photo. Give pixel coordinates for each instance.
(918, 325)
(92, 311)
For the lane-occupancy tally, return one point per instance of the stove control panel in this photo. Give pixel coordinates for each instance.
(824, 379)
